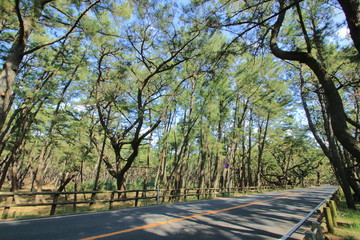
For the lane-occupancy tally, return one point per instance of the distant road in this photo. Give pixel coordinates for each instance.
(259, 216)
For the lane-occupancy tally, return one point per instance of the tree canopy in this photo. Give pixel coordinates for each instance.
(162, 93)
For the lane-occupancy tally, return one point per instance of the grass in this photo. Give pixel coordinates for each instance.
(348, 223)
(42, 211)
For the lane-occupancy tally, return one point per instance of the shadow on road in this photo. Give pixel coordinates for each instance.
(261, 216)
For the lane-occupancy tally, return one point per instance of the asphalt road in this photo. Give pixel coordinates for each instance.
(259, 216)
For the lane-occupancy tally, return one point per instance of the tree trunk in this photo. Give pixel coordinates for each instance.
(248, 159)
(261, 145)
(217, 174)
(243, 162)
(161, 175)
(66, 178)
(15, 57)
(330, 152)
(351, 9)
(147, 167)
(98, 164)
(5, 169)
(203, 158)
(335, 106)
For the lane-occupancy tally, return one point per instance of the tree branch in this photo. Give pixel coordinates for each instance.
(66, 34)
(335, 106)
(351, 9)
(110, 167)
(21, 23)
(352, 122)
(302, 24)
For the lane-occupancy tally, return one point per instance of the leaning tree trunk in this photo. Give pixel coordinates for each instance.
(331, 151)
(351, 9)
(335, 106)
(16, 55)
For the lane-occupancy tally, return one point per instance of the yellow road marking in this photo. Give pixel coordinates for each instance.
(192, 216)
(284, 193)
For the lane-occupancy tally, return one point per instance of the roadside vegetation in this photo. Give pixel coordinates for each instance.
(101, 202)
(348, 223)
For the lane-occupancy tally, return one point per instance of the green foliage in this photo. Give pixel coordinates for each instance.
(103, 185)
(138, 183)
(350, 238)
(107, 185)
(126, 62)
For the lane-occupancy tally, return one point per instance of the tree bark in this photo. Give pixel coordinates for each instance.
(100, 151)
(351, 9)
(15, 56)
(248, 158)
(218, 170)
(331, 151)
(18, 50)
(261, 145)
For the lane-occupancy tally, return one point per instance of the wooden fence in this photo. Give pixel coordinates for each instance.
(10, 200)
(327, 208)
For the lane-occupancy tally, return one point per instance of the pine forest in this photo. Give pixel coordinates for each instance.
(139, 94)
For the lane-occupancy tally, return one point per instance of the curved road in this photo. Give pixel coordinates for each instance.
(259, 216)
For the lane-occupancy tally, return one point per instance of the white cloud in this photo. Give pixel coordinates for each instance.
(343, 32)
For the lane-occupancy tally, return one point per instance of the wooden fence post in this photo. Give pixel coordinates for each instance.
(310, 235)
(334, 214)
(136, 198)
(336, 197)
(158, 194)
(53, 206)
(329, 220)
(111, 200)
(316, 227)
(9, 200)
(92, 200)
(75, 197)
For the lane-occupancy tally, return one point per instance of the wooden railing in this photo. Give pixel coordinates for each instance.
(327, 209)
(10, 200)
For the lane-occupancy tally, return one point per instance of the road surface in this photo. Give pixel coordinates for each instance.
(259, 216)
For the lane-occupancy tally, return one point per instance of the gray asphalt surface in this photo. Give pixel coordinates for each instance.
(260, 216)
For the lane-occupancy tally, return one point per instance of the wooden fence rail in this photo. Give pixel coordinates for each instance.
(12, 199)
(327, 209)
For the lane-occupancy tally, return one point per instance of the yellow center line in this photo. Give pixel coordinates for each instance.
(284, 193)
(192, 216)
